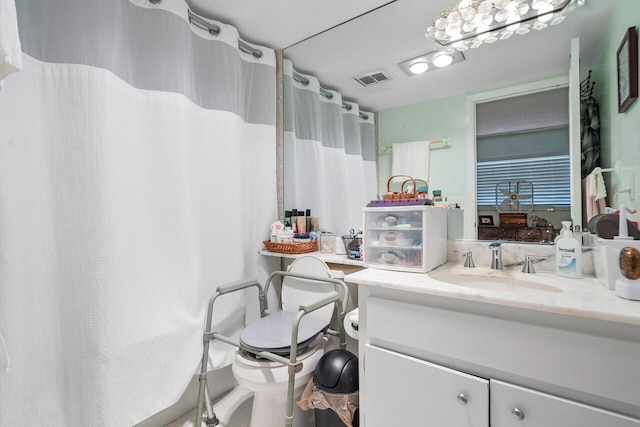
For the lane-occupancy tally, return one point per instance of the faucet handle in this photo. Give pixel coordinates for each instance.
(495, 246)
(468, 262)
(528, 263)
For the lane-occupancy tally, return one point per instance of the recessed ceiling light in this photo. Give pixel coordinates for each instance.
(419, 67)
(442, 60)
(431, 61)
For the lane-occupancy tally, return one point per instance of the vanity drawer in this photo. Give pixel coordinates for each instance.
(393, 258)
(405, 391)
(515, 406)
(409, 238)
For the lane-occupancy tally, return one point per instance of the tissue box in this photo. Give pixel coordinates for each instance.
(606, 264)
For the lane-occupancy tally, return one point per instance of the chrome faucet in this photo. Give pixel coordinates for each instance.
(496, 256)
(468, 262)
(528, 263)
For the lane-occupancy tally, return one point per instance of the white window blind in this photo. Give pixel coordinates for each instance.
(548, 174)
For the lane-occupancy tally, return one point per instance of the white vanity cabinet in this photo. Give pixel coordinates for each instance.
(429, 360)
(405, 391)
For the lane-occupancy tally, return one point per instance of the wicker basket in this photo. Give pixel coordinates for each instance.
(400, 195)
(291, 248)
(423, 191)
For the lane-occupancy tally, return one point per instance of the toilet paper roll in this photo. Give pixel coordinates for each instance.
(4, 357)
(351, 323)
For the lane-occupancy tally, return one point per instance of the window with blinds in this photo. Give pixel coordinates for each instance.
(524, 138)
(549, 176)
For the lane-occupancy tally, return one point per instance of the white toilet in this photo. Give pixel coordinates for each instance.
(269, 380)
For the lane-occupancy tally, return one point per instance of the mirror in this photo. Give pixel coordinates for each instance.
(445, 114)
(522, 158)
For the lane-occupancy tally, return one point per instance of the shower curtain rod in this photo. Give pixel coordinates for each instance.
(305, 81)
(215, 30)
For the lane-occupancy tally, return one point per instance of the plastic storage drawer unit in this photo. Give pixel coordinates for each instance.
(407, 238)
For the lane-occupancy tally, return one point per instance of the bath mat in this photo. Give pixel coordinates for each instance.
(233, 410)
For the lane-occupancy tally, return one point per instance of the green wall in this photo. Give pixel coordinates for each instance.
(438, 119)
(620, 133)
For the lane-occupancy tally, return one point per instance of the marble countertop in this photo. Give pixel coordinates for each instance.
(585, 297)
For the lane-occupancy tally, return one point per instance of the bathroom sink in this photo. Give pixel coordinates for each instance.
(494, 283)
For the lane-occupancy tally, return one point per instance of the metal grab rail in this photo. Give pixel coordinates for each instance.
(292, 363)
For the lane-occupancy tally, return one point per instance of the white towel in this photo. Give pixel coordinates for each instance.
(411, 158)
(594, 195)
(600, 190)
(10, 49)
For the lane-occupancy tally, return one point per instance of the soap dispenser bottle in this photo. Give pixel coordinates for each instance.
(566, 225)
(568, 256)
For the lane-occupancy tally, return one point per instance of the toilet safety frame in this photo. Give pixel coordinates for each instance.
(294, 365)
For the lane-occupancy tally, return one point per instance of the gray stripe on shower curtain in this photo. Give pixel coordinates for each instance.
(303, 121)
(368, 136)
(352, 137)
(149, 49)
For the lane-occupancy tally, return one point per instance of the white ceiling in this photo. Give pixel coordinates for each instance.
(336, 40)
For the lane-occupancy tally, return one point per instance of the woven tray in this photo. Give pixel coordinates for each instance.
(291, 248)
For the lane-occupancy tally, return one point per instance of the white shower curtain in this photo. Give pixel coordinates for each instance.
(329, 161)
(126, 198)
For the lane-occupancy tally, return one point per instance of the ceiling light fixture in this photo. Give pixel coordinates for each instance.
(431, 61)
(419, 67)
(472, 23)
(443, 59)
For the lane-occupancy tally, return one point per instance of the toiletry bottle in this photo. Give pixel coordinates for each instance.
(294, 221)
(287, 219)
(568, 256)
(301, 223)
(275, 227)
(315, 223)
(307, 218)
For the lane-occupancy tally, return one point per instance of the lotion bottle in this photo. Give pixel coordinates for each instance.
(568, 256)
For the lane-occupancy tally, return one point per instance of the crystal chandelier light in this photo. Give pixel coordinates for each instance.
(474, 22)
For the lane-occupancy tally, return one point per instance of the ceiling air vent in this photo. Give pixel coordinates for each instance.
(373, 78)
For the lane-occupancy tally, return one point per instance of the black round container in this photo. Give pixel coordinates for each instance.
(336, 373)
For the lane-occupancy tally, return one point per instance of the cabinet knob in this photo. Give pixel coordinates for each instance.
(463, 399)
(517, 414)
